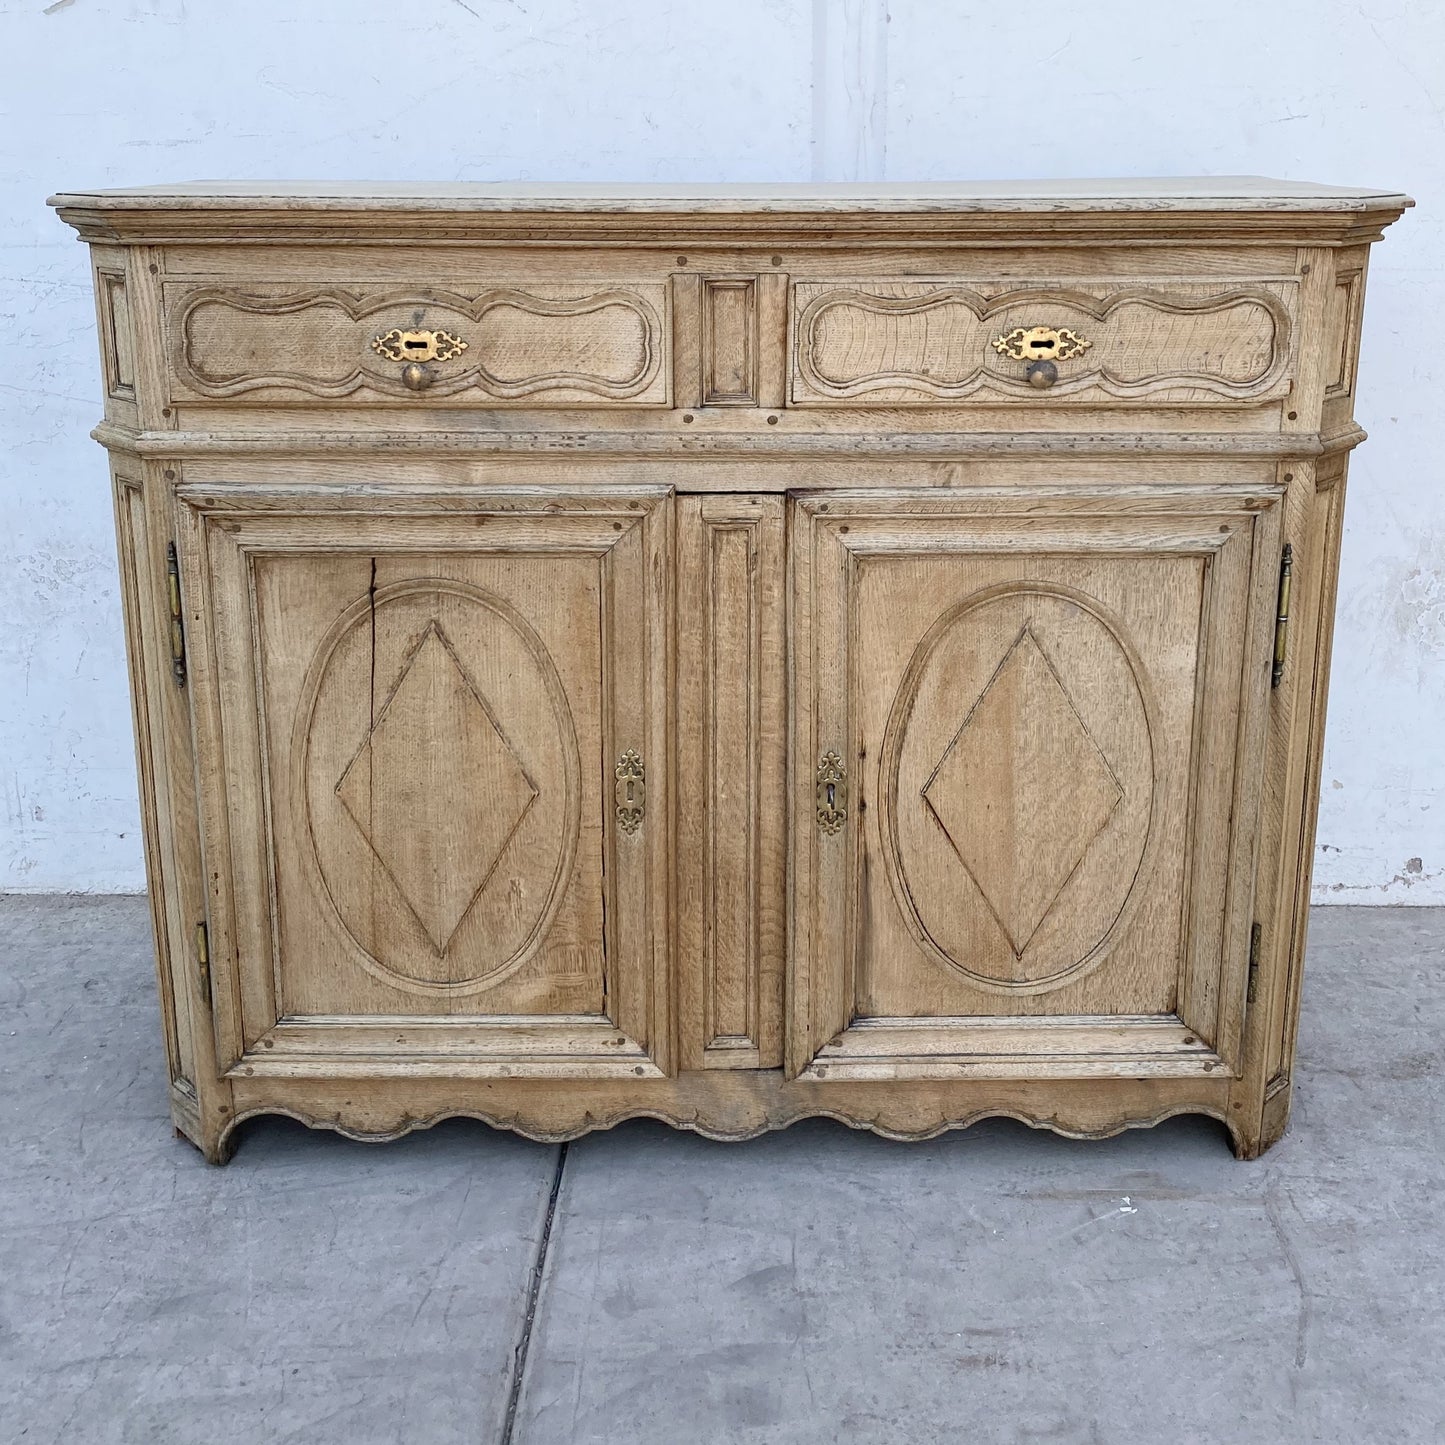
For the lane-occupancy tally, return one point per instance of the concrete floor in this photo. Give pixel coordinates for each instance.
(997, 1285)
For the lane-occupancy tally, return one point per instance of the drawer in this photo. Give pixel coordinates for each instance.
(589, 344)
(922, 342)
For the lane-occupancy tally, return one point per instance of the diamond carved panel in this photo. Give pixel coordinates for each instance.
(1022, 790)
(436, 789)
(1018, 788)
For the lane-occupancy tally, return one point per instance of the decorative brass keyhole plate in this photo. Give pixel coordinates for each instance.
(831, 795)
(630, 792)
(399, 345)
(1041, 343)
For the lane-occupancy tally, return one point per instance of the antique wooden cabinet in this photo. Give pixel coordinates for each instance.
(730, 655)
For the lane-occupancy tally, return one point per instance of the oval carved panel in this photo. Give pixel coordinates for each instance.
(1018, 787)
(598, 343)
(937, 341)
(439, 784)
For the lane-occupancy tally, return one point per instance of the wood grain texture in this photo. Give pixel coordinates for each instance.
(727, 690)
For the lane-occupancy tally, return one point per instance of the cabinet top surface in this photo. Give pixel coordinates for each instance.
(1180, 194)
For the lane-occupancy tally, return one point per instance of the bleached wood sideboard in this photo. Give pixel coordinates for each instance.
(730, 655)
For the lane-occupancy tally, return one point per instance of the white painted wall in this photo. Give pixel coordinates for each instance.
(120, 92)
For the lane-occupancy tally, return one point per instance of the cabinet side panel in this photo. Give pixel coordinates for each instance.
(116, 333)
(731, 779)
(1340, 340)
(1312, 698)
(200, 1102)
(132, 545)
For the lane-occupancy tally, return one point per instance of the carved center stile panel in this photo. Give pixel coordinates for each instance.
(1018, 787)
(441, 784)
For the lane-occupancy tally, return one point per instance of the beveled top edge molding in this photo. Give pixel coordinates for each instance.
(1156, 193)
(1207, 210)
(289, 226)
(933, 446)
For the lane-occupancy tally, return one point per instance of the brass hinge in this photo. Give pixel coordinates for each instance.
(173, 597)
(1254, 936)
(1281, 614)
(203, 960)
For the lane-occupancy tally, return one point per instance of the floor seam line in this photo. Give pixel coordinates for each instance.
(534, 1291)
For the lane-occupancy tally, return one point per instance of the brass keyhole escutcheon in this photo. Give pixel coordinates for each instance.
(417, 347)
(1041, 343)
(831, 795)
(630, 791)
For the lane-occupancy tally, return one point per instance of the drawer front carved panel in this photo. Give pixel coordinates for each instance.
(592, 344)
(929, 341)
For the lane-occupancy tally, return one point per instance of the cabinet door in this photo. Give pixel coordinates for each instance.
(430, 726)
(1029, 735)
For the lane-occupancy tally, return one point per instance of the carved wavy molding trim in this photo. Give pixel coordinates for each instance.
(615, 357)
(938, 342)
(899, 1123)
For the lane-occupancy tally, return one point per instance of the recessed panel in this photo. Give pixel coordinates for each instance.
(730, 341)
(594, 343)
(930, 341)
(441, 775)
(1018, 785)
(117, 339)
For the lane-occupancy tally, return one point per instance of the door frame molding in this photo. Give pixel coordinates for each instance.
(221, 528)
(1233, 527)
